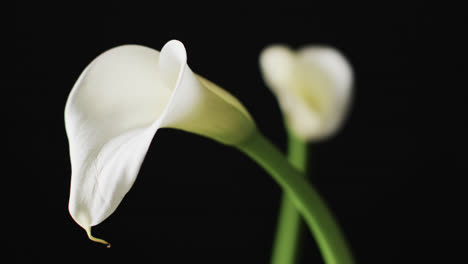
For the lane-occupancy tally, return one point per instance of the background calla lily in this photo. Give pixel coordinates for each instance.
(119, 102)
(312, 85)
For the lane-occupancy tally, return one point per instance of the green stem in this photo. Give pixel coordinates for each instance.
(307, 200)
(286, 247)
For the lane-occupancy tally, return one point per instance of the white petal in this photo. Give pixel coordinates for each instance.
(116, 107)
(278, 64)
(111, 116)
(313, 87)
(337, 79)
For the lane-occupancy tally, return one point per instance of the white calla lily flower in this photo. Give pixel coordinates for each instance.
(119, 102)
(313, 87)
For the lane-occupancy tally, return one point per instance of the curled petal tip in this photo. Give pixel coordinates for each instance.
(95, 239)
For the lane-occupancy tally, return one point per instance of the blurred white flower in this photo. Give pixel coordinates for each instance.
(313, 87)
(119, 102)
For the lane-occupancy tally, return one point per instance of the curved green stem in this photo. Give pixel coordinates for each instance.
(307, 200)
(286, 247)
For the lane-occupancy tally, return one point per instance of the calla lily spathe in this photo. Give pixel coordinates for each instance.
(313, 87)
(119, 102)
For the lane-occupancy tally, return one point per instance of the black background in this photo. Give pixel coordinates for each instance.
(393, 175)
